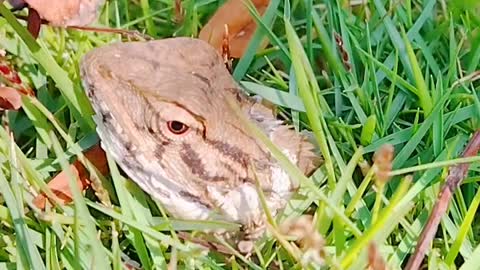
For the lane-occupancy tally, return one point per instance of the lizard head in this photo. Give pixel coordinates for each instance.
(164, 102)
(161, 111)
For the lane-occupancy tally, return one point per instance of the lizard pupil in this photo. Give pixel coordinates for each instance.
(177, 127)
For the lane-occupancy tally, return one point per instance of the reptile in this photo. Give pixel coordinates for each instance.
(161, 111)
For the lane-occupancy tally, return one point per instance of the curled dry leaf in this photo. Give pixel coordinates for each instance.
(67, 12)
(34, 22)
(72, 14)
(59, 184)
(11, 93)
(10, 98)
(11, 77)
(241, 26)
(343, 52)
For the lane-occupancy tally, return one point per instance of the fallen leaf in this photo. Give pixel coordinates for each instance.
(59, 184)
(34, 22)
(10, 98)
(241, 26)
(10, 76)
(71, 14)
(67, 12)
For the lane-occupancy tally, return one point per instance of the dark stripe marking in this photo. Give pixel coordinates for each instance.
(192, 159)
(202, 78)
(159, 151)
(229, 150)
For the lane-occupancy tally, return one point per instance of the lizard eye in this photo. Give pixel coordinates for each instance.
(177, 127)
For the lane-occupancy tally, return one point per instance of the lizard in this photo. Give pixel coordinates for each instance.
(161, 111)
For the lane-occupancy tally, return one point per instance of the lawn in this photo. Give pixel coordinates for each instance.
(388, 89)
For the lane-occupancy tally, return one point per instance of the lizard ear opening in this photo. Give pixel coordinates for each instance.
(177, 127)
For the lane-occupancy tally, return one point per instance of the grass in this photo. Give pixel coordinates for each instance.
(409, 80)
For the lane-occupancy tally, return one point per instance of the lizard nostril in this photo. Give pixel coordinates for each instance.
(177, 127)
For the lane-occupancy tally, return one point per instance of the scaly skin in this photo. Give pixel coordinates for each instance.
(161, 111)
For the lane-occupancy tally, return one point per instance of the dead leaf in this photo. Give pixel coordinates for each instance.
(34, 22)
(241, 26)
(11, 93)
(67, 12)
(59, 184)
(10, 98)
(10, 76)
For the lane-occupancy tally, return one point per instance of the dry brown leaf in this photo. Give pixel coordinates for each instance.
(34, 22)
(10, 98)
(67, 12)
(59, 184)
(12, 87)
(241, 26)
(9, 76)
